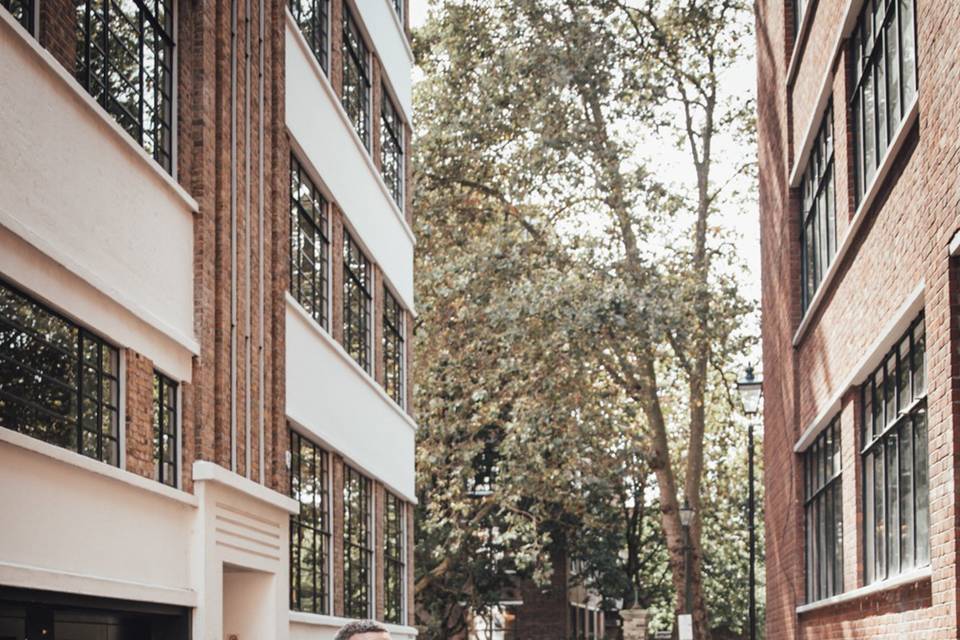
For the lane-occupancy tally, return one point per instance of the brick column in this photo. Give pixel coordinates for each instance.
(635, 622)
(336, 468)
(379, 512)
(139, 414)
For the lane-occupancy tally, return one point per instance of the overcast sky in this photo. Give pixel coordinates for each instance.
(744, 222)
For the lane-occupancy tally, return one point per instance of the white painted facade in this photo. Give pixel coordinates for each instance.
(335, 402)
(318, 123)
(95, 228)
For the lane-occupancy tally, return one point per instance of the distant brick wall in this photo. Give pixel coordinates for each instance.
(544, 614)
(901, 243)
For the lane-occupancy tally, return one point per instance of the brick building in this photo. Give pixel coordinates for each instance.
(859, 151)
(206, 299)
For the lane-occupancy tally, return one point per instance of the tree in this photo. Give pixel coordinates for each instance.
(543, 218)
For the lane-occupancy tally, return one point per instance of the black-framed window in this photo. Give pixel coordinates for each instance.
(22, 11)
(356, 76)
(357, 544)
(165, 417)
(393, 347)
(309, 530)
(895, 472)
(394, 558)
(357, 300)
(391, 147)
(818, 231)
(125, 61)
(823, 511)
(58, 382)
(313, 18)
(398, 7)
(309, 244)
(884, 53)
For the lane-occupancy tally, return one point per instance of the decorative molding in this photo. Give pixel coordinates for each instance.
(204, 471)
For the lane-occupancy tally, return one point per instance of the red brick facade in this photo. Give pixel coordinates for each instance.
(899, 243)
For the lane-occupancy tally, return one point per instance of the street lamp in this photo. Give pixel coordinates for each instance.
(686, 518)
(751, 392)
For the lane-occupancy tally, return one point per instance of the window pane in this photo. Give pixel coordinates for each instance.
(125, 61)
(310, 529)
(921, 486)
(906, 494)
(908, 50)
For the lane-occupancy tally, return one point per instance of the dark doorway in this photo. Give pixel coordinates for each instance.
(43, 615)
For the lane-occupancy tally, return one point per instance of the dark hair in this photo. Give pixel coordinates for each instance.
(358, 627)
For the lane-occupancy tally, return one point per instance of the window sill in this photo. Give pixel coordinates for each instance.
(335, 622)
(328, 88)
(74, 459)
(340, 351)
(100, 114)
(911, 577)
(800, 41)
(883, 171)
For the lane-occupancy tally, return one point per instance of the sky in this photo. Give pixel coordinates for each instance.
(742, 219)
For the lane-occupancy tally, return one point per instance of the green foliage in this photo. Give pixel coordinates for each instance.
(576, 300)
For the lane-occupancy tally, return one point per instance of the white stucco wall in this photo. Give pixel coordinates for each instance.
(385, 31)
(79, 190)
(343, 167)
(77, 525)
(331, 398)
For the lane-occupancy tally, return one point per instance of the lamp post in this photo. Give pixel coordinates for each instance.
(686, 517)
(751, 391)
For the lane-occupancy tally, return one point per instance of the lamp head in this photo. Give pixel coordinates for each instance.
(751, 391)
(686, 514)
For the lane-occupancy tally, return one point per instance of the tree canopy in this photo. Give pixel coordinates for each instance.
(580, 309)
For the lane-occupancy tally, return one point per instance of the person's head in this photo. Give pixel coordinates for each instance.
(363, 630)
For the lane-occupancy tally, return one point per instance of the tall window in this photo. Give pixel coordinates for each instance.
(393, 350)
(58, 382)
(823, 507)
(394, 556)
(884, 52)
(310, 529)
(22, 11)
(309, 245)
(313, 18)
(818, 235)
(125, 61)
(357, 297)
(391, 147)
(895, 477)
(356, 77)
(357, 544)
(165, 454)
